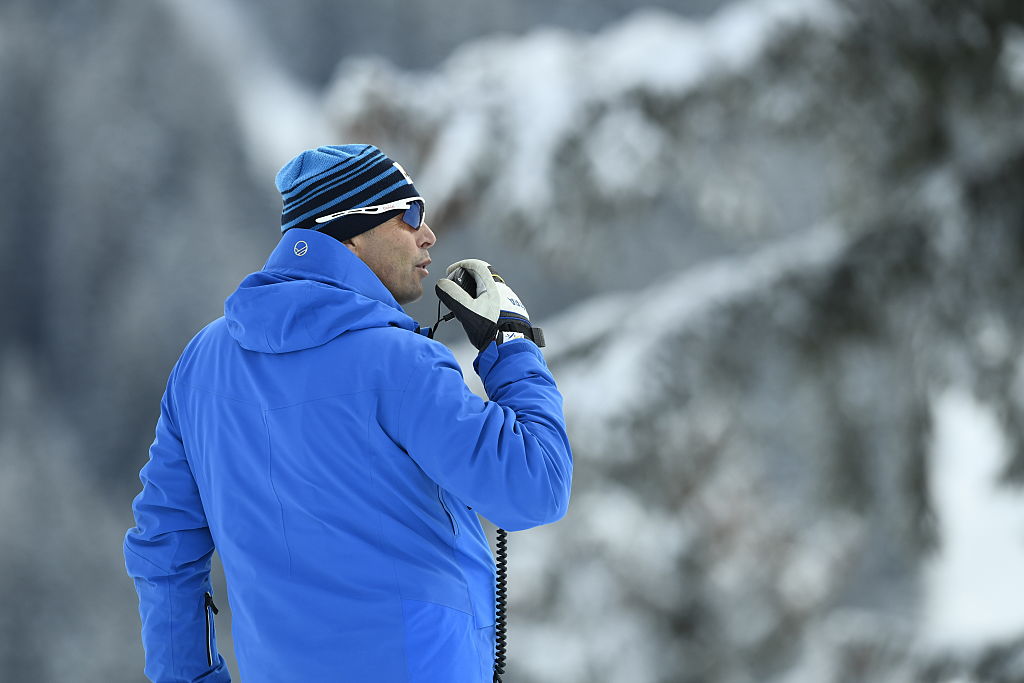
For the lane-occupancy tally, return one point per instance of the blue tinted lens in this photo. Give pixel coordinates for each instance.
(413, 216)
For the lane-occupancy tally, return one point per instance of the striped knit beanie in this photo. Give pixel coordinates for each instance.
(335, 178)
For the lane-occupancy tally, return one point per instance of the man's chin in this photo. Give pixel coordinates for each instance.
(409, 297)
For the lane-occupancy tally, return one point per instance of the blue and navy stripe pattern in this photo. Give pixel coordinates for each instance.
(335, 178)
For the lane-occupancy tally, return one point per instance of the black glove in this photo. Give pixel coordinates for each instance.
(487, 308)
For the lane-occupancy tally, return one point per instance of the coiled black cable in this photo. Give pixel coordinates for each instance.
(501, 559)
(500, 617)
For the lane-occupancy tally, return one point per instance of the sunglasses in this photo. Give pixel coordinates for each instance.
(414, 215)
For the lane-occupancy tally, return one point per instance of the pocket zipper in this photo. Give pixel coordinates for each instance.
(207, 607)
(444, 506)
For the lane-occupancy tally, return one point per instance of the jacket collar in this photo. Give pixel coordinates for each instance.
(311, 290)
(310, 255)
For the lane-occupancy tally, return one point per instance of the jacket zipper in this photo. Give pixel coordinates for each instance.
(444, 506)
(207, 607)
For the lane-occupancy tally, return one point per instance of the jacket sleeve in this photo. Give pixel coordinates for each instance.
(168, 555)
(509, 457)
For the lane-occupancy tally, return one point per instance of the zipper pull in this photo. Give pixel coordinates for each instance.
(209, 603)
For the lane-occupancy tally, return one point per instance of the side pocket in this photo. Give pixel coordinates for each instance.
(444, 506)
(209, 607)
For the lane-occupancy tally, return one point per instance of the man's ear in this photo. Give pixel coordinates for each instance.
(351, 246)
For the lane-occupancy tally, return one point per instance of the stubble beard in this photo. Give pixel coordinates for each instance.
(410, 294)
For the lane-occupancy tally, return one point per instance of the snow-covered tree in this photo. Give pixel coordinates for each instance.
(783, 455)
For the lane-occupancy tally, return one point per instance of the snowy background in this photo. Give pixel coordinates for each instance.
(777, 247)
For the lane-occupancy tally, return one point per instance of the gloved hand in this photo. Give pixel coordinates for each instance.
(487, 308)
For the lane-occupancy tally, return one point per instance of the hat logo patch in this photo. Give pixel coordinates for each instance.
(301, 248)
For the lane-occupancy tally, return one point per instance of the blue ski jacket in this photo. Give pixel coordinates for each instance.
(336, 459)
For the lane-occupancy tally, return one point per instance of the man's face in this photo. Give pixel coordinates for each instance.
(398, 255)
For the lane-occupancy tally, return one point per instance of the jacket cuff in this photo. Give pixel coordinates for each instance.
(493, 353)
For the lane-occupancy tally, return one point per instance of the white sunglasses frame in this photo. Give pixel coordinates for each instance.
(379, 208)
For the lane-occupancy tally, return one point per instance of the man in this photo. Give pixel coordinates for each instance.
(333, 455)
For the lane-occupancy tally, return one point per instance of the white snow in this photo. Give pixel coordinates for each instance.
(629, 327)
(660, 51)
(973, 588)
(1013, 57)
(460, 139)
(620, 147)
(279, 117)
(505, 107)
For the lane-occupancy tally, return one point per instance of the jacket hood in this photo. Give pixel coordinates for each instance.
(311, 290)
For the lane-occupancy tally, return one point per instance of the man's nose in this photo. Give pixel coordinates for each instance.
(426, 236)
